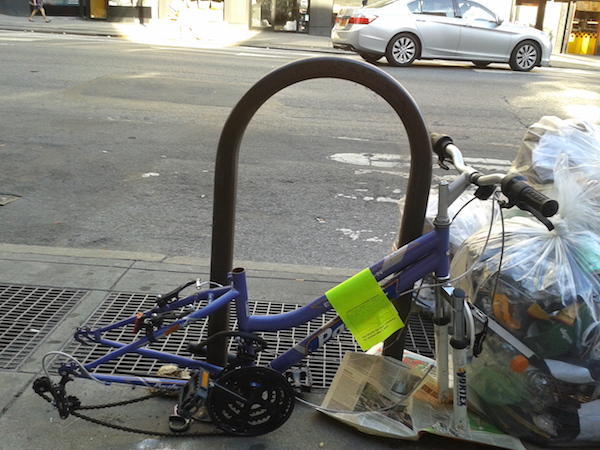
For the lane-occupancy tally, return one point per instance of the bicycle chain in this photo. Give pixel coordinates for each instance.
(216, 432)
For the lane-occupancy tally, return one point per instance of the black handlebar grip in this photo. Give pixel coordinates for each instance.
(439, 142)
(517, 190)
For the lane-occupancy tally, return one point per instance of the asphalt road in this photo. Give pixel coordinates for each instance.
(111, 144)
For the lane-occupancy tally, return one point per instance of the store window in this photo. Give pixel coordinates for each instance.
(585, 29)
(586, 21)
(281, 15)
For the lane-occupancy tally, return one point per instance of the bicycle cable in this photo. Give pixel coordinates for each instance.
(495, 202)
(75, 360)
(475, 263)
(501, 258)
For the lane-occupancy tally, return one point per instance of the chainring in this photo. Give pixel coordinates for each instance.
(250, 401)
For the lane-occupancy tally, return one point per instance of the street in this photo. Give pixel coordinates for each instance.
(110, 144)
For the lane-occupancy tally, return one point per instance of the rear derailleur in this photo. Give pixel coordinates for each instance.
(65, 404)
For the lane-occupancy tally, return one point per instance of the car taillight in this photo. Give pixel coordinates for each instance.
(362, 19)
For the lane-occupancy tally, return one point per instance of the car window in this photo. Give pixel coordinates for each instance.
(415, 7)
(444, 8)
(474, 11)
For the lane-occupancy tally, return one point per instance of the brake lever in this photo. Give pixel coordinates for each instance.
(534, 212)
(538, 215)
(442, 164)
(164, 300)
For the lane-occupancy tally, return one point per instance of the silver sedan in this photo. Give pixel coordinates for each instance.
(406, 30)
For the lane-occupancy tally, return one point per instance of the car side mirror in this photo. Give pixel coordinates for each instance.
(499, 20)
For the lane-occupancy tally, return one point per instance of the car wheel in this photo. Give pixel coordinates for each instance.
(402, 50)
(525, 56)
(481, 64)
(370, 57)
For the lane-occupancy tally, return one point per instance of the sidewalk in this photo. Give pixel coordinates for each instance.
(215, 34)
(205, 33)
(33, 275)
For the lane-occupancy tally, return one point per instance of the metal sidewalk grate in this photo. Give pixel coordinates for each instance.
(30, 314)
(322, 364)
(420, 336)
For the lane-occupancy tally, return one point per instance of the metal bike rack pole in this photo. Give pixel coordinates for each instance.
(226, 169)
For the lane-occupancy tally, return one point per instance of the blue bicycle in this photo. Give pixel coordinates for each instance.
(243, 398)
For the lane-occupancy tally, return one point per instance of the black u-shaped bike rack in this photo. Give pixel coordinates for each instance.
(226, 169)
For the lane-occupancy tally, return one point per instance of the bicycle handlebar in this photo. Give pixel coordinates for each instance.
(514, 186)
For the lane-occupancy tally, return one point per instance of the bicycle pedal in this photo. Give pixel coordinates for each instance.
(193, 396)
(300, 378)
(179, 424)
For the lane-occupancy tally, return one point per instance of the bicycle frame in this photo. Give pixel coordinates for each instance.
(408, 264)
(396, 273)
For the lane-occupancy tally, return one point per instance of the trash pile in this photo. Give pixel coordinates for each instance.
(538, 376)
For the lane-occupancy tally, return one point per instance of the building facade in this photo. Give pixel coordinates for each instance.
(573, 25)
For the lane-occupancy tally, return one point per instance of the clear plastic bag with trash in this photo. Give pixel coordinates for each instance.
(542, 287)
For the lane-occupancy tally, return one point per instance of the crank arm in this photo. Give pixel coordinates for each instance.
(231, 393)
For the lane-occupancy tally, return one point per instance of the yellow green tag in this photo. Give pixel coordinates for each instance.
(365, 309)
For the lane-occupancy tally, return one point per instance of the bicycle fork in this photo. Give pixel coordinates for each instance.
(445, 322)
(460, 346)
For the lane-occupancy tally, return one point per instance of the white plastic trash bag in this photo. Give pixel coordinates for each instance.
(543, 288)
(551, 137)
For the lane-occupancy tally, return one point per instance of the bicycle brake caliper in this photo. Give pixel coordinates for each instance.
(86, 336)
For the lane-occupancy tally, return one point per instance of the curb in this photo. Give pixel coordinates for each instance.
(33, 250)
